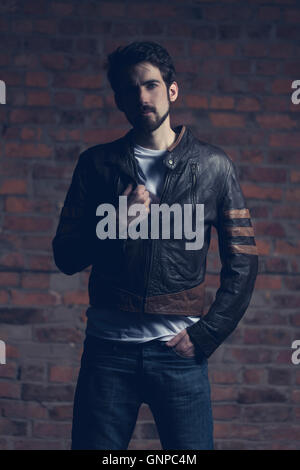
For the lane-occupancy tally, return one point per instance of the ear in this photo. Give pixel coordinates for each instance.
(173, 91)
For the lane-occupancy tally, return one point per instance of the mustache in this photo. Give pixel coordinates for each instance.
(146, 109)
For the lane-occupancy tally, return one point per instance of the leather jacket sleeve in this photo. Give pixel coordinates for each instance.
(238, 254)
(73, 244)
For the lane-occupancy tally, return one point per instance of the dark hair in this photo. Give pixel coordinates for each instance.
(144, 51)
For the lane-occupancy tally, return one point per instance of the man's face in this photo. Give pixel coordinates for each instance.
(144, 97)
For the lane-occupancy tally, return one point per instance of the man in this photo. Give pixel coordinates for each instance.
(147, 339)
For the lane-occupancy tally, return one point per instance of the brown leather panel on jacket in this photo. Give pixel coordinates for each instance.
(187, 302)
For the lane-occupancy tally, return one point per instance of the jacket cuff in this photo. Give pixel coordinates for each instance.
(202, 340)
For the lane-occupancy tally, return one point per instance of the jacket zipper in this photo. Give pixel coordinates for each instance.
(150, 252)
(194, 171)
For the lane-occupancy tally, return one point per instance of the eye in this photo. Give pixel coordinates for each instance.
(152, 85)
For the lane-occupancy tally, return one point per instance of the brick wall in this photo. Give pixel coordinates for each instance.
(236, 62)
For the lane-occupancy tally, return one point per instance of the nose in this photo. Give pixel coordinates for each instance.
(143, 97)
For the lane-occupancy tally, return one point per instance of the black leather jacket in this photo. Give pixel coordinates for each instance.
(160, 276)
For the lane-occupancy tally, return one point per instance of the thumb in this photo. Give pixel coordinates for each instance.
(127, 190)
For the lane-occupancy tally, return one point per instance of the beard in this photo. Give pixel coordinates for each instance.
(147, 124)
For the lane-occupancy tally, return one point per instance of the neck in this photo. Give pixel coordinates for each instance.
(160, 139)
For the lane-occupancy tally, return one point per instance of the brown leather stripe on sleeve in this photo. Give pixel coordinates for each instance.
(246, 249)
(240, 231)
(237, 214)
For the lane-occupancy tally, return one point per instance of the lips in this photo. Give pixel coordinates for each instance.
(146, 112)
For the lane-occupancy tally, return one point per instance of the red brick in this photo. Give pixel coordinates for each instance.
(223, 393)
(286, 301)
(65, 99)
(275, 103)
(38, 98)
(264, 174)
(93, 101)
(8, 371)
(269, 228)
(23, 205)
(36, 79)
(266, 67)
(29, 299)
(13, 186)
(61, 374)
(227, 120)
(9, 390)
(76, 80)
(22, 26)
(286, 247)
(222, 102)
(281, 49)
(240, 67)
(28, 150)
(195, 101)
(225, 49)
(9, 278)
(4, 297)
(253, 376)
(35, 280)
(226, 412)
(292, 15)
(287, 212)
(38, 444)
(258, 192)
(23, 410)
(255, 49)
(248, 104)
(40, 262)
(266, 413)
(223, 376)
(268, 282)
(261, 395)
(27, 224)
(295, 176)
(57, 335)
(276, 121)
(281, 86)
(12, 427)
(48, 429)
(75, 297)
(292, 194)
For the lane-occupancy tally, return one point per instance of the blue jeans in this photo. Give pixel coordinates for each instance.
(115, 378)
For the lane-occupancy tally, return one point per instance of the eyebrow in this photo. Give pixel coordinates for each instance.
(150, 81)
(146, 82)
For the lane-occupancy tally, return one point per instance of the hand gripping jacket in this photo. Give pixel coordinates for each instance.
(160, 276)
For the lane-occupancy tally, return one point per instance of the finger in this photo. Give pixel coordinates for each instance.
(140, 188)
(176, 338)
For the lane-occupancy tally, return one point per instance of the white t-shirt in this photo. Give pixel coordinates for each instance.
(115, 324)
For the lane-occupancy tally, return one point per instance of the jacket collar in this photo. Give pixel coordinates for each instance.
(123, 156)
